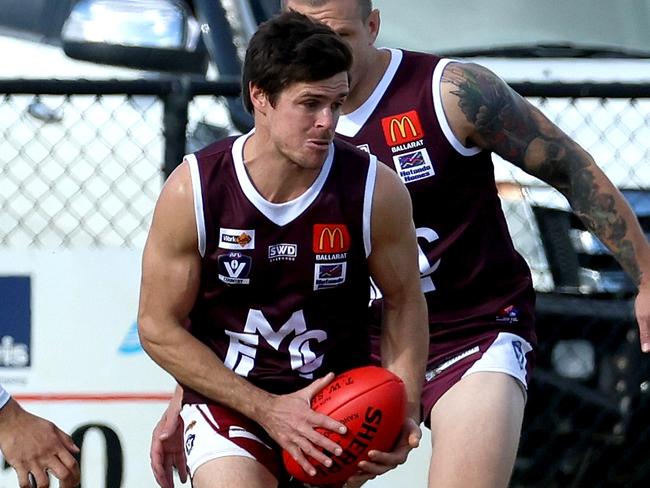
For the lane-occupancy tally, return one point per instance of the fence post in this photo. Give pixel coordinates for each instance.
(175, 118)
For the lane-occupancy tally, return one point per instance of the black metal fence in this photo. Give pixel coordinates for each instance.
(82, 162)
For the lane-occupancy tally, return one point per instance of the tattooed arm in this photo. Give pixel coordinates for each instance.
(484, 111)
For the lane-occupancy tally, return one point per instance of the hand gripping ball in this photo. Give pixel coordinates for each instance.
(371, 402)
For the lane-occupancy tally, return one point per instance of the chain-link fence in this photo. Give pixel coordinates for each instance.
(81, 164)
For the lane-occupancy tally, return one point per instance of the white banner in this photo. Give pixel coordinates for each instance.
(69, 352)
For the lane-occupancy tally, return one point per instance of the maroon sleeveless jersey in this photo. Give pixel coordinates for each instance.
(471, 274)
(283, 297)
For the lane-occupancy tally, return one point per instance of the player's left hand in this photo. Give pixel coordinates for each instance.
(167, 451)
(382, 462)
(642, 311)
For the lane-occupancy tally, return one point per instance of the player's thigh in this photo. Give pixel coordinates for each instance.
(233, 472)
(475, 430)
(225, 449)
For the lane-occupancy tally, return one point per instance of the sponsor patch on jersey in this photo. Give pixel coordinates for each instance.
(508, 315)
(402, 128)
(283, 252)
(235, 268)
(236, 239)
(414, 166)
(329, 275)
(331, 238)
(364, 147)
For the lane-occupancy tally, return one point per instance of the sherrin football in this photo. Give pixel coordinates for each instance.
(371, 402)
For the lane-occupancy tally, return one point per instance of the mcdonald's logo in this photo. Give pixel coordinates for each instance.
(331, 238)
(402, 128)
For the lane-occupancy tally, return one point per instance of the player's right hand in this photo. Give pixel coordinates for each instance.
(167, 451)
(291, 422)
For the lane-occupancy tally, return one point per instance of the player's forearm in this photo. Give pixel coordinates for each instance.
(193, 364)
(405, 346)
(605, 212)
(8, 415)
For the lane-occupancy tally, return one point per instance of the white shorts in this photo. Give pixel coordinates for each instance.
(500, 352)
(212, 432)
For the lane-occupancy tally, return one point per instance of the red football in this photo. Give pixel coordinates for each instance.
(371, 402)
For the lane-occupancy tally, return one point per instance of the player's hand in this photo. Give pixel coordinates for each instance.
(167, 451)
(291, 422)
(382, 462)
(642, 311)
(31, 444)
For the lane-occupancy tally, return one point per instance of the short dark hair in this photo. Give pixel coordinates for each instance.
(291, 48)
(365, 6)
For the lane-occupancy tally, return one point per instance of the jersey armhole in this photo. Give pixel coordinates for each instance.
(198, 201)
(367, 203)
(436, 91)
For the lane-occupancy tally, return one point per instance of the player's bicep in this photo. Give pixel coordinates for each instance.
(393, 261)
(171, 260)
(484, 111)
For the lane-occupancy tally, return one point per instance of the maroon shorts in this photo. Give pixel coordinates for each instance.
(501, 352)
(450, 360)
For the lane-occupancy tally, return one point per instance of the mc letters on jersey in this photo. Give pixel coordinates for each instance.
(243, 347)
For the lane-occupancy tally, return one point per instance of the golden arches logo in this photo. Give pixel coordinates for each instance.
(402, 128)
(331, 234)
(401, 125)
(331, 238)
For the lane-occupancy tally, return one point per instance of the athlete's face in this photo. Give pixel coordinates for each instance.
(302, 122)
(344, 18)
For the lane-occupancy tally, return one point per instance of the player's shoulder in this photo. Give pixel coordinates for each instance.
(216, 149)
(345, 148)
(458, 69)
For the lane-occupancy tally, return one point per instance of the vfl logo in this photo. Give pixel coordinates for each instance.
(283, 252)
(236, 239)
(331, 238)
(234, 268)
(402, 128)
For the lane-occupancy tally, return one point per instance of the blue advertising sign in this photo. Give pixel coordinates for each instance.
(15, 321)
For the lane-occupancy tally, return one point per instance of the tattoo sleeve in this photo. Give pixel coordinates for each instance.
(505, 123)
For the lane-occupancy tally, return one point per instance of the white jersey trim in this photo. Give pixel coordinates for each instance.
(350, 124)
(198, 201)
(367, 203)
(436, 90)
(278, 213)
(4, 396)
